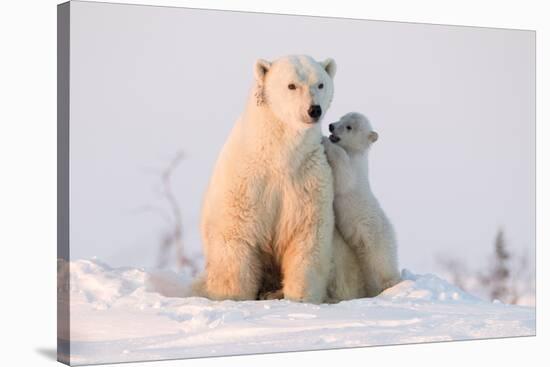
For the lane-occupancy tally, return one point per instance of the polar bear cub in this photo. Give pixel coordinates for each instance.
(359, 216)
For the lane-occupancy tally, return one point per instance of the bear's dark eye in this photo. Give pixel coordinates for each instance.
(321, 86)
(292, 86)
(348, 127)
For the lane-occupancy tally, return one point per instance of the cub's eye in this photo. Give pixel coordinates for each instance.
(321, 86)
(348, 127)
(292, 86)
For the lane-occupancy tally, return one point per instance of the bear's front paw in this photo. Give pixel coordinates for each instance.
(326, 143)
(335, 153)
(329, 146)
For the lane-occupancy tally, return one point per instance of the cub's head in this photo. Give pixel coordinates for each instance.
(297, 89)
(353, 132)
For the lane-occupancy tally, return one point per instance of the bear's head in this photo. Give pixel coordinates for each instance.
(297, 89)
(353, 132)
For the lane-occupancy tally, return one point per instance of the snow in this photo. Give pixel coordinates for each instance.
(120, 315)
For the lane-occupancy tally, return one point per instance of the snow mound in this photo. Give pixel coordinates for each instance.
(102, 286)
(427, 287)
(120, 315)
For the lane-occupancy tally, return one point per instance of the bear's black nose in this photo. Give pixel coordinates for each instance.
(315, 111)
(331, 127)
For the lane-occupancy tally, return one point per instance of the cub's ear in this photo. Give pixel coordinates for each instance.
(330, 67)
(260, 69)
(373, 136)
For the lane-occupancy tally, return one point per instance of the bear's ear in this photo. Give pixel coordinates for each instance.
(330, 67)
(373, 136)
(260, 69)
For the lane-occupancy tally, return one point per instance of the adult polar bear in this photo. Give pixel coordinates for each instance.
(268, 211)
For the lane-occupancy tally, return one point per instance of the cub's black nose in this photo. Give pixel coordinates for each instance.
(315, 111)
(331, 127)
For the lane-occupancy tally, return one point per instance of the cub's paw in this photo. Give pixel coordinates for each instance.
(326, 142)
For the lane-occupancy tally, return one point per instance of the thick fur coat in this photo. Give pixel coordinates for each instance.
(267, 216)
(360, 219)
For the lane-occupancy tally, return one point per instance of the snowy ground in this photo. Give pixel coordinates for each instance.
(116, 316)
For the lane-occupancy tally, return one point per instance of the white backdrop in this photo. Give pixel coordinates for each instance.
(27, 147)
(454, 108)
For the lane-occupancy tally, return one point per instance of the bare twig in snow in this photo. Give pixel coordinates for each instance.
(173, 238)
(504, 278)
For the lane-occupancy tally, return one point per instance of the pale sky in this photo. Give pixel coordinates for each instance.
(454, 108)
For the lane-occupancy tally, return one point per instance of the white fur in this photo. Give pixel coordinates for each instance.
(268, 207)
(346, 280)
(359, 217)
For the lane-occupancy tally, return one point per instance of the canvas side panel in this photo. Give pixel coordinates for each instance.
(63, 114)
